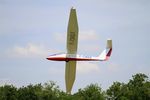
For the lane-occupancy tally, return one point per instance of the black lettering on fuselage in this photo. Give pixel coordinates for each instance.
(72, 38)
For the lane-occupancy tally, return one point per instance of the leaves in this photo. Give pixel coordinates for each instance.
(8, 92)
(91, 92)
(138, 88)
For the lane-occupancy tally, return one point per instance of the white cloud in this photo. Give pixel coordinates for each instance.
(4, 81)
(60, 37)
(87, 67)
(30, 50)
(113, 67)
(88, 35)
(82, 35)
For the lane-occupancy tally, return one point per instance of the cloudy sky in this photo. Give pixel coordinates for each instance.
(30, 30)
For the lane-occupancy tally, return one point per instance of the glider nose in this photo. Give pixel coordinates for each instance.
(49, 58)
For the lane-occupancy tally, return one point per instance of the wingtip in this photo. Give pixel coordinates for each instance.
(109, 43)
(73, 8)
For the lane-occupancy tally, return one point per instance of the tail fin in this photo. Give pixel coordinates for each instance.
(107, 52)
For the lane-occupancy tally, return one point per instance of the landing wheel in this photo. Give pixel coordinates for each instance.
(67, 60)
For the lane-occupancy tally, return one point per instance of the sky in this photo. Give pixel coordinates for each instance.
(30, 30)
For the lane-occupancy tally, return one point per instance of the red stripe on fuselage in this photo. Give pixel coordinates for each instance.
(71, 59)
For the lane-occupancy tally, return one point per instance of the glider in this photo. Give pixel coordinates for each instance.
(71, 56)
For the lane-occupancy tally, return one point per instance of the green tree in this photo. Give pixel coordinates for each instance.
(116, 91)
(91, 92)
(27, 93)
(50, 91)
(8, 92)
(138, 88)
(65, 96)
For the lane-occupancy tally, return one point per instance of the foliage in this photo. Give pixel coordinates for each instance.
(8, 92)
(91, 92)
(115, 90)
(138, 88)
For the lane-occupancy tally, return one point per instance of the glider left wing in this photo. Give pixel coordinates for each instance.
(72, 33)
(72, 44)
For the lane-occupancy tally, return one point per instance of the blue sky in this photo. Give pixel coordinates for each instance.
(30, 30)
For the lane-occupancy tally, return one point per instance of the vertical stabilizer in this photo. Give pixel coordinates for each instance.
(107, 52)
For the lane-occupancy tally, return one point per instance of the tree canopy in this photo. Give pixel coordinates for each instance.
(138, 88)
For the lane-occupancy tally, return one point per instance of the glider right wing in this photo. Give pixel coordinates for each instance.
(72, 44)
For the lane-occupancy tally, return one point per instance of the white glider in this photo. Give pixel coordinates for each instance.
(71, 56)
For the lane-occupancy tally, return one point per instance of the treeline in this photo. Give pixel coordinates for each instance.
(138, 88)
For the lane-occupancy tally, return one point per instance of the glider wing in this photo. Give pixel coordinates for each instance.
(72, 44)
